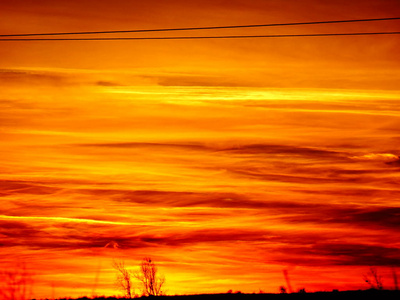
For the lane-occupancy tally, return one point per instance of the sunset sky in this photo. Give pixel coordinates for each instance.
(226, 161)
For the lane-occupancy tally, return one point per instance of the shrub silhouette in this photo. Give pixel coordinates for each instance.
(302, 291)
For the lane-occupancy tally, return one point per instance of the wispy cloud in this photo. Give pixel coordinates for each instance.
(193, 176)
(11, 187)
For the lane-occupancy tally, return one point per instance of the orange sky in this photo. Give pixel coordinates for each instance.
(226, 161)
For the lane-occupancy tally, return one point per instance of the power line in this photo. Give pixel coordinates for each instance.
(200, 28)
(200, 37)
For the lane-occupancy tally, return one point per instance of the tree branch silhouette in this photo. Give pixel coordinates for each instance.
(149, 278)
(124, 279)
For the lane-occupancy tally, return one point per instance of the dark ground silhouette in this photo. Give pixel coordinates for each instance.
(334, 295)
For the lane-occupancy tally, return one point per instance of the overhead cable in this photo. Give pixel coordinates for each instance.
(200, 37)
(201, 28)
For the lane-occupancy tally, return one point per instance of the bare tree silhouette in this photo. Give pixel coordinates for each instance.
(395, 281)
(149, 278)
(376, 281)
(15, 284)
(286, 275)
(124, 279)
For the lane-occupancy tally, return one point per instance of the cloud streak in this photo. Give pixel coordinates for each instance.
(200, 179)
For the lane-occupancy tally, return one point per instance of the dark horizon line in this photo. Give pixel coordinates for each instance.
(303, 293)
